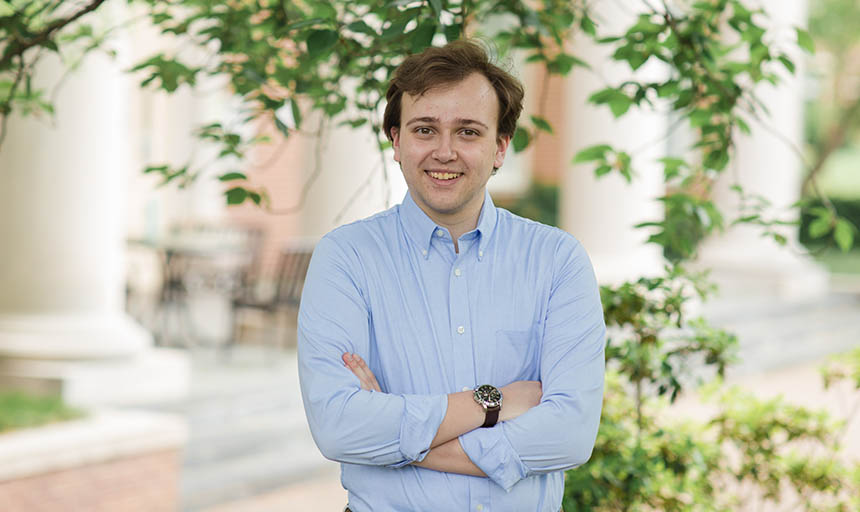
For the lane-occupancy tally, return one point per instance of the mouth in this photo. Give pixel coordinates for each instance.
(443, 175)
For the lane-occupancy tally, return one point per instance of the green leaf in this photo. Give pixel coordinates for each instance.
(320, 42)
(787, 63)
(232, 176)
(297, 112)
(361, 27)
(819, 227)
(602, 170)
(283, 128)
(804, 40)
(521, 139)
(422, 37)
(564, 63)
(619, 105)
(452, 32)
(844, 235)
(587, 25)
(395, 29)
(541, 124)
(236, 195)
(6, 9)
(700, 117)
(597, 152)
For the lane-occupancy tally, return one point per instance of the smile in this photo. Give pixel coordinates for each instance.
(443, 175)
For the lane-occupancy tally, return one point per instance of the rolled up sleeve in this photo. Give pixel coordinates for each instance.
(349, 424)
(559, 433)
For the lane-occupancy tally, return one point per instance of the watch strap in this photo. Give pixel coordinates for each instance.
(492, 417)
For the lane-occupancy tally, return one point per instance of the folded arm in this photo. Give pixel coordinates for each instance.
(559, 433)
(449, 456)
(351, 424)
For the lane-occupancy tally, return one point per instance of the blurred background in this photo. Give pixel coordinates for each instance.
(155, 231)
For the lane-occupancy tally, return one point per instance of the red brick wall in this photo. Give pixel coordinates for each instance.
(146, 483)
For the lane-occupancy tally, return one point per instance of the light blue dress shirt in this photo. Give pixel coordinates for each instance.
(518, 302)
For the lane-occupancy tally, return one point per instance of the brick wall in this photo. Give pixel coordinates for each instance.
(145, 483)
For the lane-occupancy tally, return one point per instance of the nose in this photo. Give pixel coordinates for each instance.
(444, 151)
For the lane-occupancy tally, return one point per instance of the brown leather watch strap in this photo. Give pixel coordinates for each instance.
(492, 418)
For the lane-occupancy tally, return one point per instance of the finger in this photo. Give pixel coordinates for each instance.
(364, 374)
(352, 365)
(372, 378)
(365, 377)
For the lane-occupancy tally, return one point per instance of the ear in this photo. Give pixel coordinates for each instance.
(502, 143)
(395, 142)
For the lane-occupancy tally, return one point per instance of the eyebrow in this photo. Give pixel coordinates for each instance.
(435, 120)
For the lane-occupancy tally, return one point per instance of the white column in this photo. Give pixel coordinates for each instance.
(744, 263)
(601, 212)
(62, 183)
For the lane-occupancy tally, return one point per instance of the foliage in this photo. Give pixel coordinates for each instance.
(540, 202)
(19, 410)
(288, 59)
(751, 453)
(292, 61)
(822, 228)
(29, 30)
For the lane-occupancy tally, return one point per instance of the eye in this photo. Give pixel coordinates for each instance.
(470, 132)
(424, 130)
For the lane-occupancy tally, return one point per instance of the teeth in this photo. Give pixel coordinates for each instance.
(442, 175)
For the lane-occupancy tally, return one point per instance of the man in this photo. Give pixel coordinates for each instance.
(451, 353)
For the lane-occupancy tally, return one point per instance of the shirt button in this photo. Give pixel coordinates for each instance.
(457, 272)
(479, 508)
(461, 329)
(480, 254)
(466, 388)
(439, 232)
(424, 252)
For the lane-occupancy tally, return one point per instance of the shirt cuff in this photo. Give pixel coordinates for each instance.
(422, 415)
(490, 450)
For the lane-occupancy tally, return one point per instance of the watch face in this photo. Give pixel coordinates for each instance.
(488, 395)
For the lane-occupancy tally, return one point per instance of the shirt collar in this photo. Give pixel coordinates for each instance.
(420, 227)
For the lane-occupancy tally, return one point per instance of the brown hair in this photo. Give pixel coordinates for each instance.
(448, 65)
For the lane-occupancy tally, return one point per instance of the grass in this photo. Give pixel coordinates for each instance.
(20, 410)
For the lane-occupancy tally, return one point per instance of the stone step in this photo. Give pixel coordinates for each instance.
(772, 335)
(277, 463)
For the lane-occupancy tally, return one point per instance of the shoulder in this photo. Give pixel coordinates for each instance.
(534, 236)
(361, 237)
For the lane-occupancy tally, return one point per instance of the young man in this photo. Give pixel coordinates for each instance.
(451, 353)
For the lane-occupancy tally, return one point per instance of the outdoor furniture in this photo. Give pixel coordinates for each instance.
(283, 295)
(198, 259)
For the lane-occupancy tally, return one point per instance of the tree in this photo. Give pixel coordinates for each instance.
(285, 59)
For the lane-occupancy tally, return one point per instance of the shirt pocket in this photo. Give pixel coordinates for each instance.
(516, 356)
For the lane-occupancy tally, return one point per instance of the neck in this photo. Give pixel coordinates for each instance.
(457, 223)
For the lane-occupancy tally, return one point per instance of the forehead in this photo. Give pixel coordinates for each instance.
(471, 98)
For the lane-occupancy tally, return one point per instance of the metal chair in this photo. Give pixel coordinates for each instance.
(283, 297)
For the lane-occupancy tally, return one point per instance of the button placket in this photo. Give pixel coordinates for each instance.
(461, 335)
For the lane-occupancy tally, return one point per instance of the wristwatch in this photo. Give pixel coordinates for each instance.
(490, 399)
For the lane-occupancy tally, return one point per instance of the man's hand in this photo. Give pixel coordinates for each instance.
(355, 363)
(518, 397)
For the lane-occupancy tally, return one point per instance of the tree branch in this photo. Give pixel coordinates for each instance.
(17, 48)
